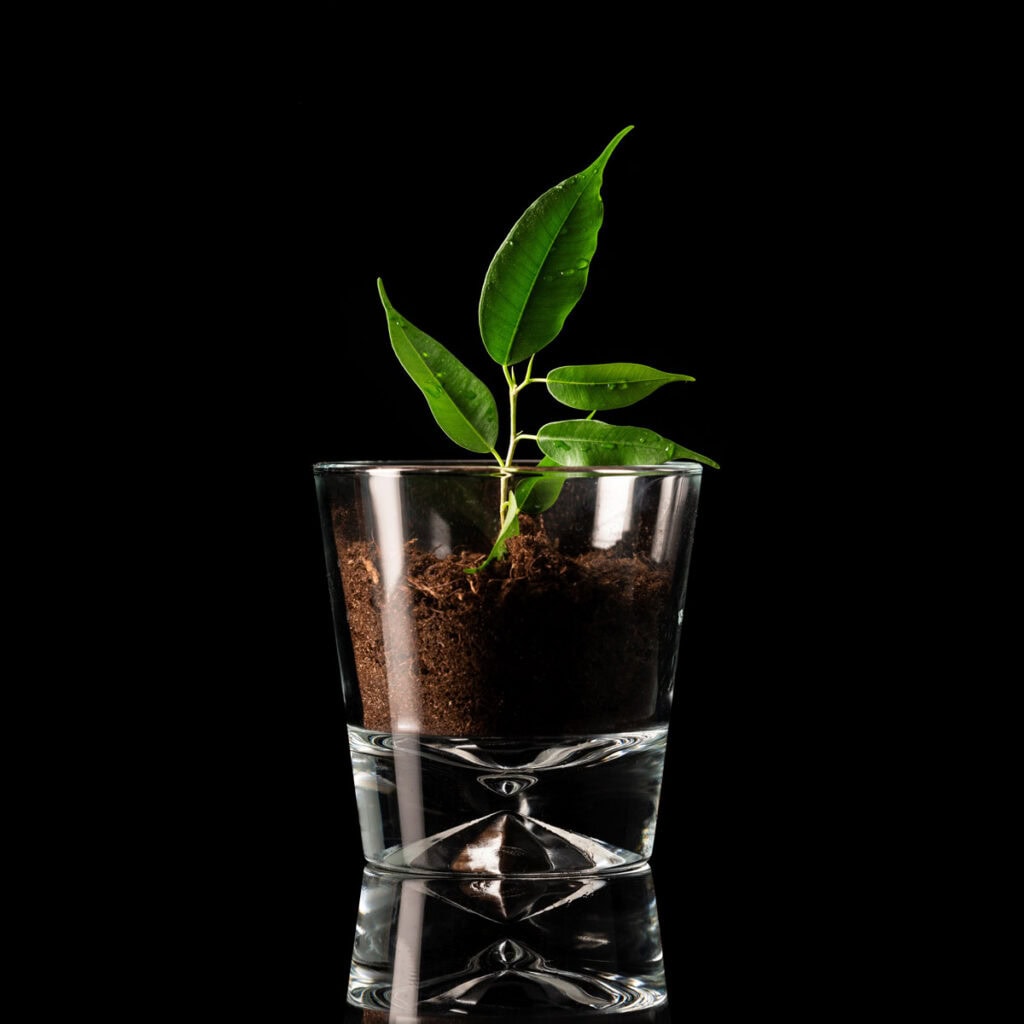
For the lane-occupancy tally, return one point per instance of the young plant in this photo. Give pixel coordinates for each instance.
(534, 281)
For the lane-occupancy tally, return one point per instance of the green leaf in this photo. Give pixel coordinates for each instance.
(593, 443)
(509, 528)
(538, 274)
(538, 493)
(606, 385)
(460, 402)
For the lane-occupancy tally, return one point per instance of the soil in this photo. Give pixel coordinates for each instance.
(543, 641)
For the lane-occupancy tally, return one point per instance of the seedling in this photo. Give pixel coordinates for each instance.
(532, 284)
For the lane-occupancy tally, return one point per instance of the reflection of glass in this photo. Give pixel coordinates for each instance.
(522, 948)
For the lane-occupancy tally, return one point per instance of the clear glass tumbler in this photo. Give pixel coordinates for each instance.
(507, 717)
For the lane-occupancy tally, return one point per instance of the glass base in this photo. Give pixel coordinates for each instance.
(566, 805)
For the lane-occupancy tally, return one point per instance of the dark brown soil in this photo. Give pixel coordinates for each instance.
(540, 642)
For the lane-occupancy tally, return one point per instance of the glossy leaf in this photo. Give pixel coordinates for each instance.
(537, 494)
(509, 528)
(606, 385)
(460, 402)
(540, 271)
(593, 443)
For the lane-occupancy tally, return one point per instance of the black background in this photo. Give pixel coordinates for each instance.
(336, 157)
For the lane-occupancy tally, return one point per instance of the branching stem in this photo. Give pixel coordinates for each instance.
(514, 437)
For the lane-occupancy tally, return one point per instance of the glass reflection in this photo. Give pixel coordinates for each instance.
(508, 948)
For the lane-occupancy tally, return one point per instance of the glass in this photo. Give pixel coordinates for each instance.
(509, 720)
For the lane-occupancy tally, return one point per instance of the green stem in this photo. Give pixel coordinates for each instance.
(513, 396)
(513, 393)
(514, 387)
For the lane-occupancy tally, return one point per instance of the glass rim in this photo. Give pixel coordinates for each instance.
(486, 467)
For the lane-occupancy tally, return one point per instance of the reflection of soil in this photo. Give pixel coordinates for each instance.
(540, 642)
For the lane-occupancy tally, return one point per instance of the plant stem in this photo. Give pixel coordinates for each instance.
(514, 387)
(513, 395)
